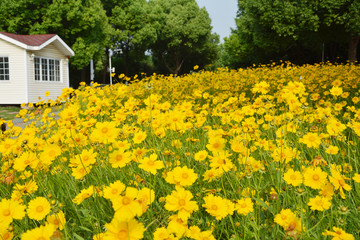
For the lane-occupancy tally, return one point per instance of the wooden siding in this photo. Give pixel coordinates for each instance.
(14, 90)
(37, 88)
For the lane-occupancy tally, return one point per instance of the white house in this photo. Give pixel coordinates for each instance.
(30, 65)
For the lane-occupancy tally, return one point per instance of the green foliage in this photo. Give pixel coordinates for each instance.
(293, 30)
(133, 33)
(183, 34)
(177, 33)
(83, 25)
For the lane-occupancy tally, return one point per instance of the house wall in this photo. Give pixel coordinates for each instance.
(37, 89)
(14, 90)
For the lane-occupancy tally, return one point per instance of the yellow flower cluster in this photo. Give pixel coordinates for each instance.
(260, 153)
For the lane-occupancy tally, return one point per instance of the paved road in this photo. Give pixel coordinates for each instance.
(19, 122)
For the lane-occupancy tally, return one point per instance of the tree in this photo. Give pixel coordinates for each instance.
(296, 29)
(82, 24)
(183, 33)
(133, 32)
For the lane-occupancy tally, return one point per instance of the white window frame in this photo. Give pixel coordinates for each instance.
(4, 71)
(43, 72)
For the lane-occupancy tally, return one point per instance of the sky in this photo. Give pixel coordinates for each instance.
(222, 14)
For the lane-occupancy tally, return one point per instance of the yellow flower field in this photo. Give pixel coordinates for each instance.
(270, 152)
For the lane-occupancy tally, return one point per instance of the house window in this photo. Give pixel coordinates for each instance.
(47, 69)
(4, 68)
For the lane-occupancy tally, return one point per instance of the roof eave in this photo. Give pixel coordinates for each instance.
(65, 48)
(13, 41)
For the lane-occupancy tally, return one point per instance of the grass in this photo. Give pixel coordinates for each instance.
(9, 112)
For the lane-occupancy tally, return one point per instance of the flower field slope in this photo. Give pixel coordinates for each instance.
(270, 152)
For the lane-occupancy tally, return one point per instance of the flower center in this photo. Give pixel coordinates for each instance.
(293, 177)
(214, 207)
(105, 130)
(216, 145)
(182, 202)
(39, 208)
(126, 200)
(123, 234)
(316, 177)
(6, 212)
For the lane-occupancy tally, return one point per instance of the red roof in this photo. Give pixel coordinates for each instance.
(30, 40)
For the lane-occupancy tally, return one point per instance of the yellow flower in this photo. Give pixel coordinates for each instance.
(162, 233)
(145, 197)
(28, 187)
(38, 208)
(180, 200)
(182, 176)
(9, 210)
(79, 172)
(114, 190)
(332, 150)
(288, 220)
(261, 87)
(336, 91)
(26, 159)
(201, 155)
(84, 194)
(85, 159)
(57, 220)
(319, 203)
(338, 234)
(118, 229)
(339, 182)
(177, 226)
(151, 164)
(334, 127)
(356, 177)
(105, 132)
(49, 154)
(315, 178)
(312, 140)
(216, 144)
(39, 233)
(327, 191)
(218, 207)
(47, 93)
(293, 177)
(244, 206)
(139, 137)
(221, 161)
(6, 235)
(126, 206)
(120, 158)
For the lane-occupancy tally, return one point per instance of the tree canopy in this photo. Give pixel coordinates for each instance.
(82, 24)
(184, 36)
(295, 30)
(174, 34)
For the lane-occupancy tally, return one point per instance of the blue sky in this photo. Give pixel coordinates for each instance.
(222, 14)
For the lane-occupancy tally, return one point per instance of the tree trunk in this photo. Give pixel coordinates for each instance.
(353, 42)
(178, 65)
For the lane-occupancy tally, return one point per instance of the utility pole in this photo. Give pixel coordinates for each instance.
(110, 69)
(92, 75)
